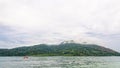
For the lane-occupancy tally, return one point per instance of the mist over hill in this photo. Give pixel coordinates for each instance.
(62, 49)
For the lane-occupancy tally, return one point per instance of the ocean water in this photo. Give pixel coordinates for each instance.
(60, 62)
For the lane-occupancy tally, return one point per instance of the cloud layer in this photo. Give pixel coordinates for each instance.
(28, 22)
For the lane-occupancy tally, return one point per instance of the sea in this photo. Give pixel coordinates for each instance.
(60, 62)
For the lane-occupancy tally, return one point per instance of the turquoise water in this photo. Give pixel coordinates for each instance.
(60, 62)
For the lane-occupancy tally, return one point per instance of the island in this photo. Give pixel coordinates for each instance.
(62, 49)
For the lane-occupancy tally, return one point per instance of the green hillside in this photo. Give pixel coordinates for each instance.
(63, 49)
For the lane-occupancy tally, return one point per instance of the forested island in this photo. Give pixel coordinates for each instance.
(63, 49)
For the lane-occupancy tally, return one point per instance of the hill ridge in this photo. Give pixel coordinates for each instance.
(66, 49)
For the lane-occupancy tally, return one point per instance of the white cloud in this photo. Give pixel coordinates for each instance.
(51, 21)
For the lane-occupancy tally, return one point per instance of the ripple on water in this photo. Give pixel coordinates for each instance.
(60, 62)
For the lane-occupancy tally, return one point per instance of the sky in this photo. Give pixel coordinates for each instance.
(31, 22)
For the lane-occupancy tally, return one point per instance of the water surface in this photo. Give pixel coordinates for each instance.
(60, 62)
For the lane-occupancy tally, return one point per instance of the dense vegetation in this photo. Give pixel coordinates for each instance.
(63, 49)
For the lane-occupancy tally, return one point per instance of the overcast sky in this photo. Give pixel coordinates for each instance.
(29, 22)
